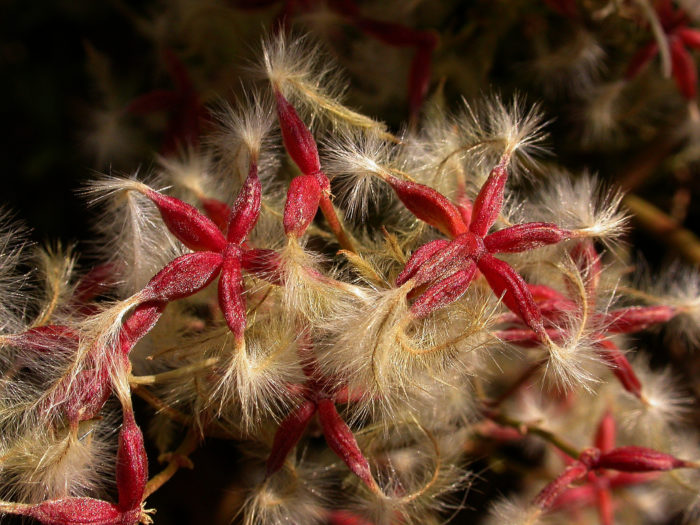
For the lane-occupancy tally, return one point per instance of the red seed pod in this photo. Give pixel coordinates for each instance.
(418, 257)
(507, 283)
(582, 496)
(132, 463)
(182, 277)
(341, 440)
(605, 436)
(626, 479)
(48, 338)
(231, 290)
(429, 206)
(690, 37)
(640, 459)
(453, 257)
(140, 322)
(288, 435)
(489, 201)
(80, 511)
(263, 264)
(527, 338)
(298, 141)
(542, 292)
(637, 318)
(589, 265)
(86, 396)
(523, 237)
(444, 292)
(193, 229)
(303, 197)
(550, 493)
(641, 59)
(603, 500)
(684, 69)
(621, 367)
(344, 517)
(465, 207)
(246, 208)
(419, 77)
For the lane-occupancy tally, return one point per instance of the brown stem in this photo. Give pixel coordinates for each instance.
(648, 161)
(161, 406)
(526, 428)
(332, 218)
(661, 225)
(178, 459)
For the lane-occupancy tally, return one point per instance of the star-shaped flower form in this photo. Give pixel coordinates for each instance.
(215, 252)
(679, 38)
(623, 470)
(320, 394)
(80, 396)
(131, 476)
(447, 267)
(555, 306)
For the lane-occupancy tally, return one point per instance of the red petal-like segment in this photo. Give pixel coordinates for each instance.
(86, 395)
(419, 257)
(523, 237)
(636, 318)
(80, 511)
(690, 37)
(506, 283)
(132, 464)
(449, 259)
(303, 197)
(429, 206)
(550, 493)
(639, 459)
(444, 292)
(49, 338)
(140, 322)
(298, 141)
(489, 201)
(419, 77)
(685, 71)
(589, 265)
(341, 440)
(344, 517)
(621, 367)
(231, 298)
(182, 277)
(582, 496)
(246, 208)
(288, 435)
(606, 434)
(641, 59)
(193, 229)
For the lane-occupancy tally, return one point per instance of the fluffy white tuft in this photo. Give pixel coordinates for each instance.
(357, 161)
(582, 204)
(513, 512)
(298, 68)
(513, 130)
